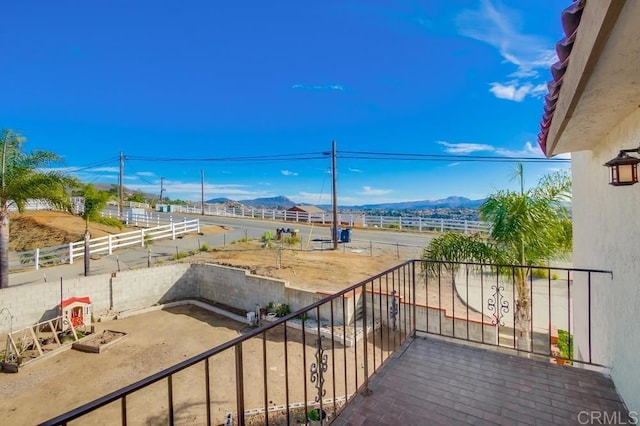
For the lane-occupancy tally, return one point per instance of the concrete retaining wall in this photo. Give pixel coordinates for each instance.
(140, 288)
(230, 286)
(32, 303)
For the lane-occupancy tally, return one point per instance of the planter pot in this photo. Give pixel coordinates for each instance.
(270, 316)
(314, 416)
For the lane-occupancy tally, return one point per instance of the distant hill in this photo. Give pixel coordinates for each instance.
(449, 202)
(219, 201)
(280, 202)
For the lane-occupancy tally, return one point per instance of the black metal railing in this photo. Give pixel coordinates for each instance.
(545, 311)
(312, 362)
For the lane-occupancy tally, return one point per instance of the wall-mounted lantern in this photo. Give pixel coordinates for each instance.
(623, 170)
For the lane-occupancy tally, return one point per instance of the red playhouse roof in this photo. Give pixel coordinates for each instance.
(71, 300)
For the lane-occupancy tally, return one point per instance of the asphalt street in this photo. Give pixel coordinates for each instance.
(312, 237)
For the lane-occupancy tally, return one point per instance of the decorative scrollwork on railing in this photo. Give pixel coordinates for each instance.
(318, 369)
(393, 310)
(498, 305)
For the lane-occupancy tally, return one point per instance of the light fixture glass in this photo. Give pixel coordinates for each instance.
(623, 170)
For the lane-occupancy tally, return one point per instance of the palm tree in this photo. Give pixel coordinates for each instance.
(527, 229)
(23, 178)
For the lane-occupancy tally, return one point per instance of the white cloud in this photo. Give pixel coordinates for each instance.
(513, 91)
(78, 169)
(354, 170)
(465, 148)
(288, 173)
(146, 174)
(498, 27)
(367, 190)
(510, 92)
(454, 164)
(193, 190)
(529, 150)
(312, 197)
(337, 87)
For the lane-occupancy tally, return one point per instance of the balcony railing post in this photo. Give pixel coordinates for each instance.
(170, 399)
(123, 410)
(365, 339)
(239, 384)
(207, 383)
(413, 300)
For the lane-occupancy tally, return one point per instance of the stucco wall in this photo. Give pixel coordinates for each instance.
(607, 236)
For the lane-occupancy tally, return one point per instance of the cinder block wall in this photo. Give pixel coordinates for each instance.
(32, 303)
(139, 288)
(236, 287)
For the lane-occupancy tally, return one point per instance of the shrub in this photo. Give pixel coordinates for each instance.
(291, 240)
(205, 248)
(110, 221)
(179, 255)
(540, 273)
(283, 310)
(565, 344)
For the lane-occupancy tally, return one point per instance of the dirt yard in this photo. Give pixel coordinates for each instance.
(157, 340)
(163, 338)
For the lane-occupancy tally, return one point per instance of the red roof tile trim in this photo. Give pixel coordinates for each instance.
(570, 22)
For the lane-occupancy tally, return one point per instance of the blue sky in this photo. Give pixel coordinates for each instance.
(221, 80)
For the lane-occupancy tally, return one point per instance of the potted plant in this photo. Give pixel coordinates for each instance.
(316, 416)
(283, 309)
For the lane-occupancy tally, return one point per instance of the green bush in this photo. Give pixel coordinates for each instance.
(179, 255)
(110, 221)
(205, 248)
(540, 273)
(290, 241)
(565, 344)
(283, 310)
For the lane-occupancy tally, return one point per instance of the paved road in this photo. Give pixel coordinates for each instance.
(312, 237)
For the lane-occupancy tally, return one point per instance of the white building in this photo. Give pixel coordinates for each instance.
(593, 111)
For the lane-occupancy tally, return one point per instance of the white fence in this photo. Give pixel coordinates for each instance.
(68, 253)
(350, 219)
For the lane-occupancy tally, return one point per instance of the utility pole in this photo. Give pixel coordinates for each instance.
(334, 196)
(161, 189)
(121, 186)
(87, 241)
(202, 186)
(4, 159)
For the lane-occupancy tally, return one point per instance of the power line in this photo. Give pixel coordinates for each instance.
(357, 155)
(93, 165)
(275, 157)
(370, 155)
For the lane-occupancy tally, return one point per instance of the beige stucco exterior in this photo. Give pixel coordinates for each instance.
(607, 236)
(597, 115)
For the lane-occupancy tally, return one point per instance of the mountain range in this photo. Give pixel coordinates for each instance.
(282, 202)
